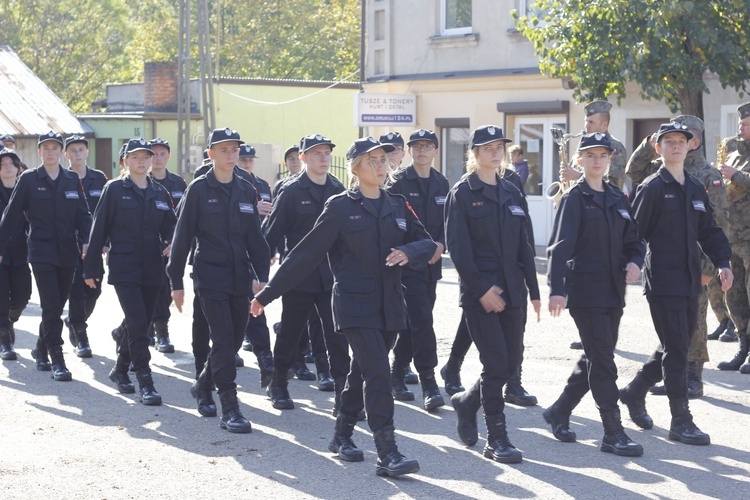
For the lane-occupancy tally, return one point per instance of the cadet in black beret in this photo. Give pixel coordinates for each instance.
(51, 198)
(368, 306)
(397, 155)
(593, 236)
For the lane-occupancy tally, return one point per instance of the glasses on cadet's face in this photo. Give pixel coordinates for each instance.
(425, 147)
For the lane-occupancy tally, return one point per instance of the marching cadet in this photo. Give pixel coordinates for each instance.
(219, 211)
(52, 200)
(645, 162)
(737, 173)
(396, 156)
(369, 235)
(594, 250)
(294, 213)
(175, 186)
(293, 166)
(425, 189)
(15, 275)
(485, 229)
(135, 214)
(9, 143)
(83, 298)
(676, 221)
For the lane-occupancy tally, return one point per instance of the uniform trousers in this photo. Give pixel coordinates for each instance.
(368, 383)
(53, 285)
(418, 340)
(256, 332)
(738, 297)
(314, 338)
(596, 370)
(15, 292)
(674, 320)
(201, 338)
(297, 308)
(226, 315)
(137, 302)
(82, 299)
(499, 340)
(163, 301)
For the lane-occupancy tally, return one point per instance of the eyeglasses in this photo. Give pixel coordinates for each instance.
(425, 147)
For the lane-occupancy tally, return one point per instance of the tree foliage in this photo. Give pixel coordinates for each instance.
(665, 46)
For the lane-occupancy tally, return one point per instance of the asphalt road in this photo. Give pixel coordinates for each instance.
(82, 439)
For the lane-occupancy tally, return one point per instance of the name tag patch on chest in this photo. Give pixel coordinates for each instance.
(440, 200)
(162, 205)
(95, 193)
(212, 200)
(41, 188)
(265, 196)
(414, 194)
(355, 217)
(477, 204)
(668, 196)
(176, 195)
(624, 213)
(71, 195)
(698, 205)
(516, 210)
(247, 208)
(305, 202)
(401, 223)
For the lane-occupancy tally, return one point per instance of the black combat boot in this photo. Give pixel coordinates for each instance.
(302, 372)
(730, 335)
(558, 417)
(451, 374)
(615, 440)
(246, 344)
(119, 333)
(410, 377)
(231, 417)
(745, 368)
(79, 338)
(60, 372)
(39, 353)
(278, 392)
(466, 404)
(498, 447)
(325, 381)
(682, 428)
(201, 390)
(391, 463)
(400, 392)
(516, 394)
(633, 396)
(265, 367)
(161, 330)
(149, 396)
(238, 361)
(432, 398)
(736, 362)
(695, 379)
(119, 375)
(342, 443)
(6, 346)
(719, 330)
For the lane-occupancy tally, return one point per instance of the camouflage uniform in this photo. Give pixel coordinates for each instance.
(616, 173)
(645, 162)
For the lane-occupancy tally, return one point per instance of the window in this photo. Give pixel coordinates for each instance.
(454, 143)
(379, 25)
(528, 8)
(379, 62)
(455, 17)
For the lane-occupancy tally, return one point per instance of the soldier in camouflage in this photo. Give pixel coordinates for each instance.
(645, 162)
(737, 172)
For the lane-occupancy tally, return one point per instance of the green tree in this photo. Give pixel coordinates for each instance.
(666, 46)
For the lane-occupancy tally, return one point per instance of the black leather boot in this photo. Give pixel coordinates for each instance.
(615, 440)
(745, 368)
(6, 346)
(633, 396)
(149, 396)
(695, 379)
(119, 333)
(71, 331)
(400, 392)
(265, 367)
(119, 375)
(558, 417)
(736, 362)
(498, 447)
(278, 392)
(410, 377)
(60, 372)
(161, 330)
(201, 390)
(79, 339)
(730, 335)
(516, 394)
(466, 405)
(302, 372)
(231, 417)
(658, 390)
(719, 330)
(432, 398)
(325, 381)
(246, 344)
(682, 428)
(342, 443)
(39, 353)
(451, 374)
(391, 463)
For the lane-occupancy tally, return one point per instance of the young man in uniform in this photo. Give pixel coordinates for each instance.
(293, 166)
(396, 156)
(676, 222)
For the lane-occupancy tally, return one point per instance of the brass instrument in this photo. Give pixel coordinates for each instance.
(722, 152)
(555, 190)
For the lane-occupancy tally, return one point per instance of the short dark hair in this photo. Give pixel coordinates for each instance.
(515, 149)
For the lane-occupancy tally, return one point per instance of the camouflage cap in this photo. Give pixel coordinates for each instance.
(692, 122)
(743, 110)
(595, 107)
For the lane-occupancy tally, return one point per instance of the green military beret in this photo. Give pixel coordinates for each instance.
(595, 107)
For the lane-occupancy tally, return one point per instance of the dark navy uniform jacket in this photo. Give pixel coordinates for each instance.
(677, 223)
(428, 203)
(262, 187)
(293, 216)
(366, 292)
(57, 212)
(93, 183)
(515, 179)
(16, 251)
(174, 184)
(227, 233)
(138, 226)
(485, 230)
(590, 246)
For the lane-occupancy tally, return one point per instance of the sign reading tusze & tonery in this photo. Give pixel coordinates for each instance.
(396, 110)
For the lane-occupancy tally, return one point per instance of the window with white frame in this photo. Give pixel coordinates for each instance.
(455, 17)
(528, 8)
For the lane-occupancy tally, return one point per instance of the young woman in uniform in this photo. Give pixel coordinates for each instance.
(594, 250)
(486, 237)
(368, 235)
(135, 214)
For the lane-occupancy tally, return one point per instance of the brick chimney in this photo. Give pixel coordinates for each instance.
(160, 86)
